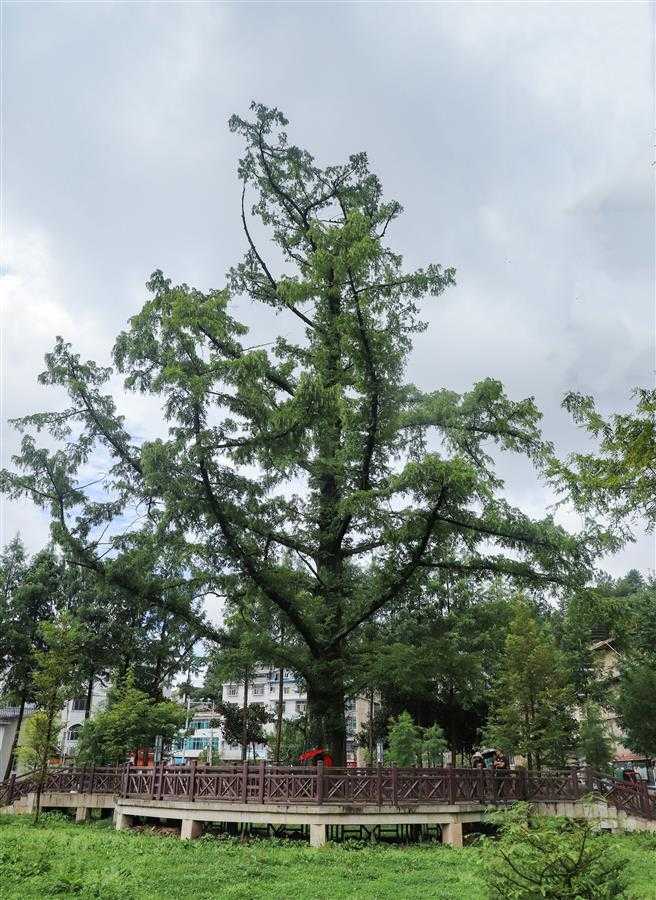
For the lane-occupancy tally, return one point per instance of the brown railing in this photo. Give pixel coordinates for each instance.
(64, 779)
(382, 786)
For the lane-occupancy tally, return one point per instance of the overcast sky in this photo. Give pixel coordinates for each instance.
(519, 138)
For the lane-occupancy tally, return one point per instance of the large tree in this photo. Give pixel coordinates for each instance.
(313, 443)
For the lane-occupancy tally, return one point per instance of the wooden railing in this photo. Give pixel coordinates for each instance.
(64, 779)
(381, 786)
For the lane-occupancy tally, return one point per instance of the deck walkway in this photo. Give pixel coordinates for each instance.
(318, 797)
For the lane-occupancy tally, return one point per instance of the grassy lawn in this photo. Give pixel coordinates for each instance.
(58, 859)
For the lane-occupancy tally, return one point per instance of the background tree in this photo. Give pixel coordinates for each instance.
(595, 745)
(634, 701)
(404, 741)
(55, 679)
(245, 726)
(433, 745)
(317, 446)
(39, 737)
(31, 591)
(532, 704)
(132, 720)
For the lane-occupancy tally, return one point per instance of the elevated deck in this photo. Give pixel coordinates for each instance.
(319, 798)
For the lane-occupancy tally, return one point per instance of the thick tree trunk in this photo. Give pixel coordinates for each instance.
(327, 723)
(14, 743)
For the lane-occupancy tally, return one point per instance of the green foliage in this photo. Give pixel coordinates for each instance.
(239, 723)
(550, 857)
(294, 740)
(532, 712)
(315, 445)
(404, 741)
(39, 737)
(131, 721)
(619, 481)
(595, 745)
(635, 698)
(433, 745)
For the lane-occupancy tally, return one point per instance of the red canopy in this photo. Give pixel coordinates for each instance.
(317, 753)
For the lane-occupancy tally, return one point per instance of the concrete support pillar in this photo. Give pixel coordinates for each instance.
(191, 829)
(123, 821)
(317, 835)
(82, 814)
(452, 834)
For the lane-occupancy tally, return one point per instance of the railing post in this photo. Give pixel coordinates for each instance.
(262, 780)
(522, 784)
(160, 786)
(453, 786)
(320, 784)
(192, 780)
(480, 778)
(244, 782)
(125, 780)
(395, 784)
(92, 778)
(645, 803)
(379, 784)
(574, 779)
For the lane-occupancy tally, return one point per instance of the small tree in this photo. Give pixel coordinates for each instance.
(433, 745)
(55, 680)
(293, 740)
(550, 857)
(38, 737)
(404, 739)
(131, 720)
(595, 745)
(533, 700)
(245, 725)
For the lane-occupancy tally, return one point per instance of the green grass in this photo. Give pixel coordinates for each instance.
(60, 859)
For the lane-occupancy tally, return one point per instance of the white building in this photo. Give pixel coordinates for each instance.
(71, 717)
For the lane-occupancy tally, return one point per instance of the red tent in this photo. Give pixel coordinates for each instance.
(313, 756)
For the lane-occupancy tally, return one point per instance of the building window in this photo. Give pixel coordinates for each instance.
(80, 704)
(202, 723)
(258, 690)
(74, 732)
(286, 690)
(232, 690)
(301, 706)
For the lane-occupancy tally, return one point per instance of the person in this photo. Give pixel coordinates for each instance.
(500, 761)
(477, 761)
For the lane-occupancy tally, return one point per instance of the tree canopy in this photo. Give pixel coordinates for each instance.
(315, 445)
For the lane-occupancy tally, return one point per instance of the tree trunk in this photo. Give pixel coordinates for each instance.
(43, 769)
(327, 722)
(87, 710)
(14, 743)
(371, 729)
(244, 712)
(281, 706)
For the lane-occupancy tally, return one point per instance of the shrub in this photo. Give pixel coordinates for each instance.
(550, 857)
